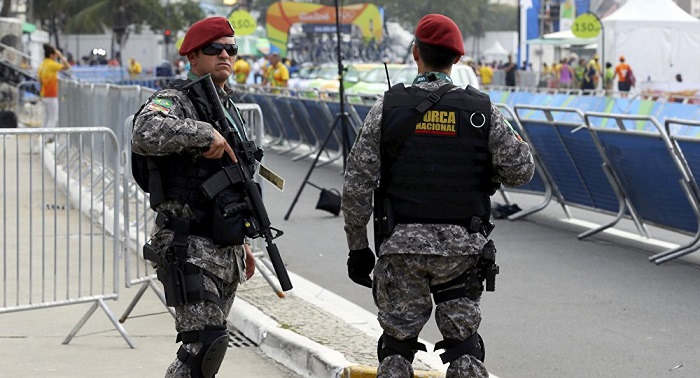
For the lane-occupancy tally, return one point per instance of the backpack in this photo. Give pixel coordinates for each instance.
(629, 77)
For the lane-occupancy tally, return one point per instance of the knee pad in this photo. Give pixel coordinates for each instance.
(206, 363)
(454, 349)
(388, 345)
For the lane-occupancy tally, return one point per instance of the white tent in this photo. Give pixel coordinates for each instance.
(657, 38)
(496, 52)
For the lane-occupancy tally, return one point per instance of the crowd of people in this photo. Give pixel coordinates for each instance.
(571, 72)
(567, 73)
(587, 74)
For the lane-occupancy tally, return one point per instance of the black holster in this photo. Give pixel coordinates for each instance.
(170, 271)
(384, 220)
(183, 282)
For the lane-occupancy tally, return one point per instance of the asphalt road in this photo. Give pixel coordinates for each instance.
(562, 307)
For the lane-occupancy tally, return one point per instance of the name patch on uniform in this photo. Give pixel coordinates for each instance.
(161, 105)
(438, 122)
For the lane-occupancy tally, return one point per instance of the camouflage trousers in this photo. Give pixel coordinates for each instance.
(198, 315)
(402, 295)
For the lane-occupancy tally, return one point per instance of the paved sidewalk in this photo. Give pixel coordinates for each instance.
(32, 344)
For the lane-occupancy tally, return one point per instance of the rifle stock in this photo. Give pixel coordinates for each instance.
(245, 150)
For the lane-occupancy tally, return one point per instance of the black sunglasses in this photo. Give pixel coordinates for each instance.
(215, 49)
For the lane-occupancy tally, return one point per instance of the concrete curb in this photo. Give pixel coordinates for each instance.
(362, 371)
(298, 353)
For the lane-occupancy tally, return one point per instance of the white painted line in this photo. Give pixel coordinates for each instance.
(620, 233)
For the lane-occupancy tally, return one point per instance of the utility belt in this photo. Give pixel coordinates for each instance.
(193, 227)
(473, 225)
(385, 220)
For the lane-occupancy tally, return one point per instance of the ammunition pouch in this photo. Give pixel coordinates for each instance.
(228, 219)
(232, 218)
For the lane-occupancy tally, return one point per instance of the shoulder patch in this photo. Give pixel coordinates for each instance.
(161, 105)
(513, 130)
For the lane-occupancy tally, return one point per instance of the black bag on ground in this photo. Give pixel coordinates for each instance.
(329, 200)
(499, 211)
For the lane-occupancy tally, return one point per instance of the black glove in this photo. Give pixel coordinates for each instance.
(360, 265)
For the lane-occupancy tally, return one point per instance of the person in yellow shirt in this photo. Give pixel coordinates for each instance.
(486, 73)
(48, 80)
(241, 70)
(134, 68)
(277, 74)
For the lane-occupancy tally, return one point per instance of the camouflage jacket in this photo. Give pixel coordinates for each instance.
(168, 124)
(513, 165)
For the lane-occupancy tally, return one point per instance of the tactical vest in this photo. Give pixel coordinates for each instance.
(178, 177)
(442, 171)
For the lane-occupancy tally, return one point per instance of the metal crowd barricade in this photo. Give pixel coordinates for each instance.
(138, 218)
(324, 124)
(687, 152)
(653, 177)
(60, 228)
(540, 183)
(304, 121)
(273, 123)
(579, 177)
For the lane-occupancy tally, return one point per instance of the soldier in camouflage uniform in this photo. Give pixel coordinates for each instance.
(168, 128)
(450, 159)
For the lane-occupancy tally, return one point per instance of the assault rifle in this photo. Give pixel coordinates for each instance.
(203, 93)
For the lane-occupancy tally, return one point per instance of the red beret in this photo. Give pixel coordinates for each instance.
(203, 32)
(441, 31)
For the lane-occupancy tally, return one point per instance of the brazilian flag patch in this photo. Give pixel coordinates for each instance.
(160, 104)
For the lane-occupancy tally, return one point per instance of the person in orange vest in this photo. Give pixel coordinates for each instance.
(622, 71)
(48, 79)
